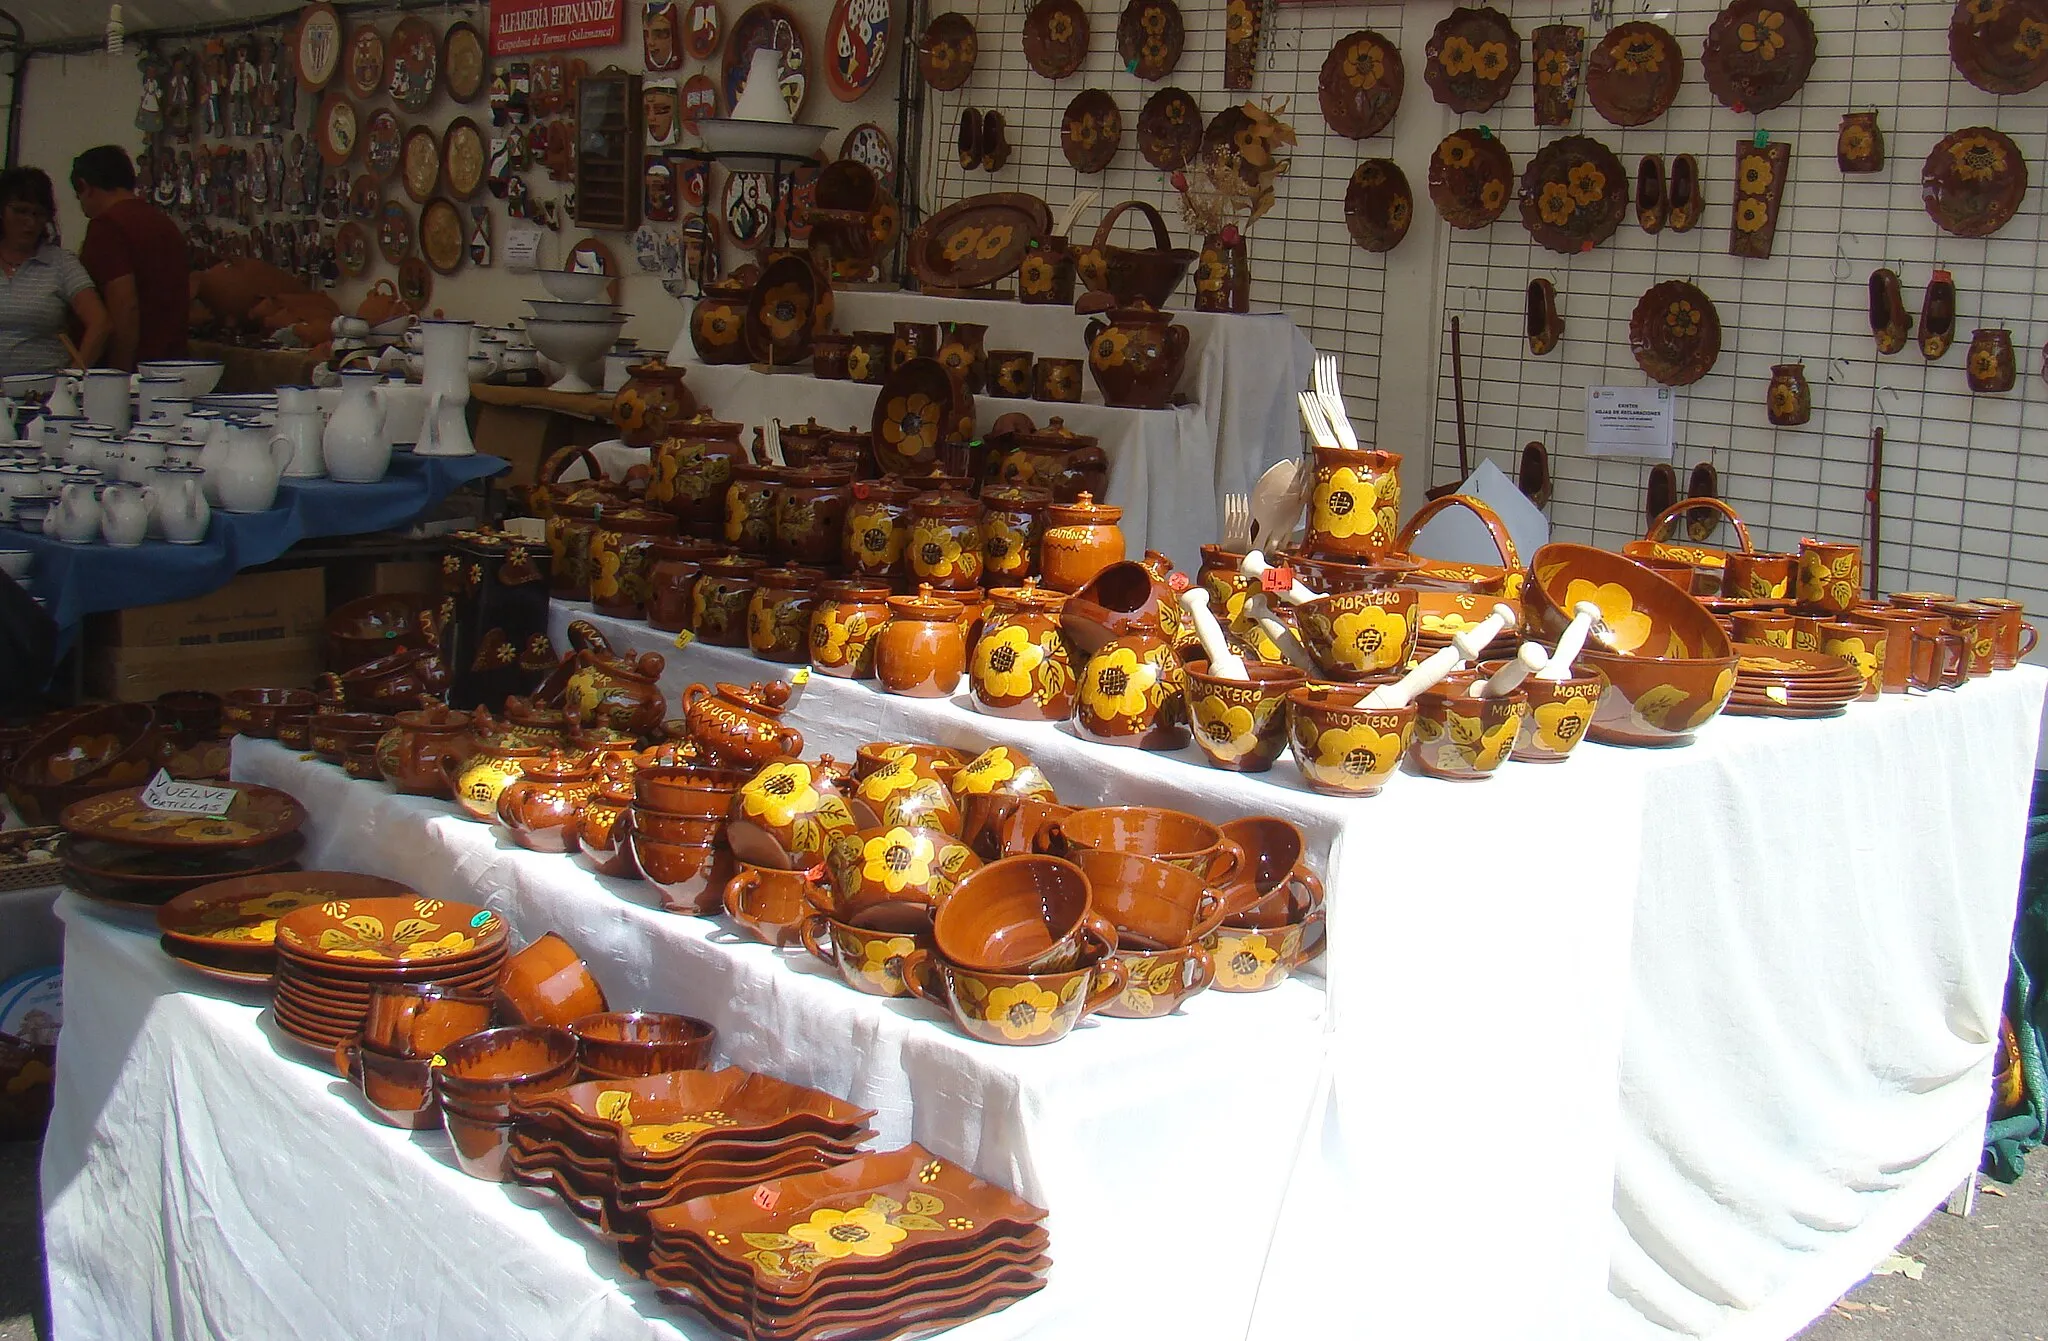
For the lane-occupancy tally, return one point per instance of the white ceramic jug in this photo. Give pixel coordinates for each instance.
(124, 515)
(106, 398)
(139, 456)
(219, 433)
(63, 398)
(177, 504)
(299, 418)
(153, 391)
(246, 478)
(75, 517)
(356, 444)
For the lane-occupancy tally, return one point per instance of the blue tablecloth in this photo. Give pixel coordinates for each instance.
(78, 580)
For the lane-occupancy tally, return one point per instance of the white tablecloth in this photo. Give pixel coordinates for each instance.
(1168, 468)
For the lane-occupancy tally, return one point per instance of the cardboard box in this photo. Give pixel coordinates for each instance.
(256, 608)
(141, 673)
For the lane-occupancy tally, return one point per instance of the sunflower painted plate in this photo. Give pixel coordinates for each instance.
(1472, 59)
(238, 917)
(1378, 205)
(780, 312)
(1055, 37)
(1574, 194)
(1149, 38)
(977, 241)
(1361, 83)
(258, 815)
(2001, 46)
(388, 931)
(946, 52)
(1470, 178)
(1634, 73)
(1170, 129)
(420, 164)
(1973, 181)
(916, 413)
(444, 241)
(1091, 130)
(1759, 53)
(1675, 333)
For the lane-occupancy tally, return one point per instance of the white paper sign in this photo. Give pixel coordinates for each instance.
(166, 793)
(522, 247)
(1630, 421)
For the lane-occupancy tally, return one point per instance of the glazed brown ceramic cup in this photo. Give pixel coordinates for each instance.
(1168, 835)
(626, 1045)
(1916, 651)
(1830, 576)
(1758, 576)
(1152, 905)
(1022, 915)
(547, 984)
(480, 1146)
(419, 1019)
(1769, 630)
(1056, 380)
(690, 877)
(488, 1069)
(1806, 632)
(700, 791)
(769, 903)
(890, 878)
(1344, 749)
(913, 340)
(1024, 1010)
(399, 1090)
(1241, 724)
(1560, 712)
(1977, 626)
(998, 825)
(1864, 646)
(1009, 373)
(867, 961)
(1277, 884)
(1258, 959)
(1157, 982)
(2013, 636)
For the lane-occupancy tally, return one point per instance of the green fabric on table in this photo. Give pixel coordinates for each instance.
(2007, 1140)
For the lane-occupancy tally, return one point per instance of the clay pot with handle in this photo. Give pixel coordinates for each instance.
(1503, 579)
(1136, 355)
(1133, 275)
(741, 724)
(1708, 563)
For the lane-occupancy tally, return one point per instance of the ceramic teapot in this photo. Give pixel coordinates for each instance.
(356, 444)
(248, 471)
(1136, 355)
(75, 517)
(737, 724)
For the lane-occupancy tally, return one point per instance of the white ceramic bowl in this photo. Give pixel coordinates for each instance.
(577, 347)
(546, 309)
(573, 287)
(15, 562)
(201, 376)
(781, 139)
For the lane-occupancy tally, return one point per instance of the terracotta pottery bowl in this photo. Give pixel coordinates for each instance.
(480, 1146)
(253, 712)
(1156, 982)
(1330, 576)
(417, 1020)
(867, 961)
(1341, 748)
(293, 728)
(769, 903)
(399, 1090)
(1353, 634)
(690, 877)
(1018, 1010)
(1152, 905)
(1120, 600)
(547, 984)
(1241, 725)
(333, 734)
(701, 791)
(873, 758)
(1167, 835)
(493, 1066)
(1642, 614)
(1278, 884)
(360, 763)
(1258, 959)
(890, 878)
(625, 1045)
(1463, 738)
(1022, 915)
(84, 754)
(1657, 700)
(1560, 711)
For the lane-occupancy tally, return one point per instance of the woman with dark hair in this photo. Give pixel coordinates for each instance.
(42, 286)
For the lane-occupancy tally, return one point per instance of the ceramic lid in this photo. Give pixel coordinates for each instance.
(636, 519)
(926, 605)
(1085, 511)
(817, 477)
(944, 502)
(703, 425)
(1017, 498)
(852, 591)
(1030, 596)
(561, 766)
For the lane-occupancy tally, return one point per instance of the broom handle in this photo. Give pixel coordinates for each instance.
(1876, 511)
(1458, 394)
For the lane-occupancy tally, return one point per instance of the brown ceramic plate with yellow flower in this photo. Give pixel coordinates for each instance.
(1574, 194)
(978, 240)
(258, 814)
(443, 240)
(1055, 37)
(1469, 178)
(916, 413)
(781, 311)
(1973, 181)
(1360, 86)
(1378, 205)
(1472, 59)
(1090, 130)
(1758, 54)
(1634, 73)
(2001, 46)
(1675, 333)
(388, 932)
(1169, 129)
(1149, 37)
(237, 919)
(946, 52)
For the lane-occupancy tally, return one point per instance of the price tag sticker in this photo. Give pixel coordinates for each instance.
(190, 798)
(1178, 581)
(815, 873)
(801, 678)
(765, 1197)
(1277, 580)
(684, 639)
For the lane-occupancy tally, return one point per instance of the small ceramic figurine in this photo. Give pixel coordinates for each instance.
(149, 106)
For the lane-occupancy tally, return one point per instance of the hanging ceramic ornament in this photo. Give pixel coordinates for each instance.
(661, 41)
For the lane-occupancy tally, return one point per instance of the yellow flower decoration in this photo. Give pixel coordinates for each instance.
(858, 365)
(1343, 506)
(1984, 365)
(1397, 213)
(912, 423)
(1494, 745)
(1784, 402)
(1152, 51)
(1109, 348)
(785, 311)
(1358, 752)
(1762, 35)
(1493, 195)
(828, 638)
(940, 56)
(1456, 151)
(1554, 204)
(874, 535)
(1560, 723)
(1864, 656)
(1024, 1011)
(1856, 142)
(1118, 683)
(1656, 705)
(1238, 21)
(1227, 731)
(882, 960)
(1683, 318)
(779, 793)
(1628, 628)
(1457, 55)
(1491, 60)
(987, 770)
(1060, 29)
(721, 327)
(1984, 11)
(1552, 67)
(899, 774)
(1637, 55)
(994, 241)
(1005, 547)
(2032, 36)
(935, 551)
(1755, 174)
(219, 830)
(1370, 639)
(1750, 215)
(1004, 663)
(1977, 158)
(1243, 963)
(860, 1232)
(1363, 65)
(898, 860)
(1588, 184)
(961, 244)
(1082, 131)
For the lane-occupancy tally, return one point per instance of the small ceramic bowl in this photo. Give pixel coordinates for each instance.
(548, 985)
(492, 1067)
(625, 1045)
(1354, 634)
(1344, 749)
(1461, 737)
(1241, 725)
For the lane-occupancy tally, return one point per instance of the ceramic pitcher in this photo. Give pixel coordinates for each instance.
(178, 511)
(447, 347)
(247, 474)
(124, 515)
(76, 516)
(357, 443)
(300, 419)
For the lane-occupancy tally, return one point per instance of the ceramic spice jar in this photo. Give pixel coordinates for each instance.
(877, 528)
(804, 445)
(543, 806)
(809, 521)
(922, 650)
(844, 623)
(1022, 666)
(779, 614)
(719, 320)
(1789, 400)
(750, 508)
(691, 467)
(1081, 539)
(718, 603)
(621, 557)
(1131, 693)
(1990, 368)
(944, 548)
(1013, 519)
(652, 396)
(671, 579)
(1009, 373)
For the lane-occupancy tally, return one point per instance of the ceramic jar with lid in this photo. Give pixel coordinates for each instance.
(853, 449)
(499, 761)
(691, 467)
(805, 445)
(1131, 693)
(810, 514)
(494, 630)
(945, 541)
(542, 807)
(1136, 355)
(779, 614)
(1013, 519)
(671, 579)
(1081, 539)
(570, 528)
(718, 602)
(877, 528)
(621, 555)
(1022, 666)
(1054, 457)
(750, 508)
(718, 323)
(844, 623)
(616, 693)
(652, 396)
(922, 650)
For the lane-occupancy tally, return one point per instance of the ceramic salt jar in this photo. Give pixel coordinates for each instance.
(876, 528)
(543, 806)
(779, 613)
(1022, 666)
(849, 615)
(809, 514)
(718, 602)
(922, 650)
(750, 508)
(1013, 521)
(622, 557)
(1081, 539)
(945, 540)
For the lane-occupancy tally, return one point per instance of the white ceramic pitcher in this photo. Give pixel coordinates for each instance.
(299, 418)
(106, 398)
(447, 348)
(177, 504)
(124, 515)
(246, 478)
(75, 517)
(356, 443)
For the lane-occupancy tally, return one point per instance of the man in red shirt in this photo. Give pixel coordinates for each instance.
(136, 255)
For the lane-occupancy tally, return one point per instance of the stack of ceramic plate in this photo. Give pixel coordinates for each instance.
(228, 929)
(120, 852)
(617, 1149)
(330, 955)
(1786, 682)
(883, 1246)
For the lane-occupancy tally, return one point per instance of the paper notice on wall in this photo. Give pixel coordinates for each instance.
(1630, 421)
(522, 247)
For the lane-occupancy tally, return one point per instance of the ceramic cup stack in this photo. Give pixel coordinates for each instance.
(330, 956)
(574, 326)
(677, 832)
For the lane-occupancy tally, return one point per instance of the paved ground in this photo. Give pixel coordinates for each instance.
(1983, 1279)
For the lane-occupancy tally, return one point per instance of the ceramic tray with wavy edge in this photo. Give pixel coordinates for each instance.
(1973, 181)
(1149, 38)
(240, 914)
(1169, 129)
(946, 52)
(1378, 205)
(610, 1110)
(257, 815)
(1997, 46)
(1470, 178)
(1055, 37)
(1361, 83)
(462, 61)
(415, 64)
(1472, 59)
(1091, 130)
(1012, 219)
(464, 158)
(1758, 54)
(1634, 73)
(1574, 194)
(420, 164)
(1675, 333)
